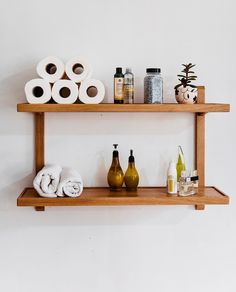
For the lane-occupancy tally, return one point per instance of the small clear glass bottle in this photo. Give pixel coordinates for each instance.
(128, 86)
(186, 186)
(153, 86)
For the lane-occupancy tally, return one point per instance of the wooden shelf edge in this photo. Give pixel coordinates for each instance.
(109, 107)
(103, 197)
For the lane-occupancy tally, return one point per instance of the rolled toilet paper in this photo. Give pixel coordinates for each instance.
(51, 68)
(78, 69)
(38, 91)
(65, 91)
(91, 91)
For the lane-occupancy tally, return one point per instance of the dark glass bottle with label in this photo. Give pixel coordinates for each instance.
(119, 86)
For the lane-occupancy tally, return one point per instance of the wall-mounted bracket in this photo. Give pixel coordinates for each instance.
(39, 208)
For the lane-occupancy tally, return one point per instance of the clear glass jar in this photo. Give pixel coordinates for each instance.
(186, 185)
(153, 86)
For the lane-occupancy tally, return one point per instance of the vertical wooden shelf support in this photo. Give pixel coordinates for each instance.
(200, 143)
(39, 146)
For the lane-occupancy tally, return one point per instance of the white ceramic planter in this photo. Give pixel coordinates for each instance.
(186, 94)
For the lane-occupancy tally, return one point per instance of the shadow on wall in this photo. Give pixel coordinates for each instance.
(12, 191)
(12, 87)
(11, 93)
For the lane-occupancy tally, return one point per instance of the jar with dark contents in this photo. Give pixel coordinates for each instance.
(153, 86)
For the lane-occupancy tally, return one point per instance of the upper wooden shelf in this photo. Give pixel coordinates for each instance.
(110, 107)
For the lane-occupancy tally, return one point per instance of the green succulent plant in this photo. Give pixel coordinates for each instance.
(187, 77)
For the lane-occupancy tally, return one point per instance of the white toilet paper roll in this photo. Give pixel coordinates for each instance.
(78, 69)
(38, 91)
(51, 69)
(91, 91)
(65, 91)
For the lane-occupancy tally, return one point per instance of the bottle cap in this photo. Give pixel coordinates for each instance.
(118, 70)
(194, 178)
(194, 173)
(115, 152)
(131, 157)
(172, 163)
(153, 70)
(128, 70)
(172, 169)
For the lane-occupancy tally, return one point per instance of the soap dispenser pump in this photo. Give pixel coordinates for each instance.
(115, 176)
(131, 174)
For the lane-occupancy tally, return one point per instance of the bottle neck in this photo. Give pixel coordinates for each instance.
(180, 159)
(128, 71)
(131, 165)
(115, 161)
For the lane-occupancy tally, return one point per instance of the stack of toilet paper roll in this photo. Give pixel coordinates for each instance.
(64, 83)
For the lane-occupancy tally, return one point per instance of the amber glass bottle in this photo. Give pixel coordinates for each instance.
(115, 176)
(131, 174)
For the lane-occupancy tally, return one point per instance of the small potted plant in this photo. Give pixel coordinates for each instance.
(186, 92)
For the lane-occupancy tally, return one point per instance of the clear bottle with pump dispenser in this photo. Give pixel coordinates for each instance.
(131, 174)
(115, 176)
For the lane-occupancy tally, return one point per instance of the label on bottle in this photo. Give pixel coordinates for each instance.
(171, 185)
(119, 88)
(129, 93)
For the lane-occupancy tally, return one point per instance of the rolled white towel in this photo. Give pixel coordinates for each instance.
(47, 180)
(71, 183)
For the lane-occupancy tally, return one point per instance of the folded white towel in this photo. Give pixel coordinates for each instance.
(47, 180)
(71, 183)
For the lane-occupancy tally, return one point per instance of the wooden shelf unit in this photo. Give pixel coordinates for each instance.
(108, 107)
(144, 195)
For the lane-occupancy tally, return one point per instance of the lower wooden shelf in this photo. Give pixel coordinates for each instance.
(101, 196)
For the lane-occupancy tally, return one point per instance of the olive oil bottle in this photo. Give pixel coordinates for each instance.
(131, 174)
(115, 176)
(118, 86)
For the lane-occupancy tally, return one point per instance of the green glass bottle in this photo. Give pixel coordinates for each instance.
(115, 176)
(131, 174)
(180, 166)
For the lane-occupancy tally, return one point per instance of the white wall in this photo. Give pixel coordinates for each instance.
(155, 248)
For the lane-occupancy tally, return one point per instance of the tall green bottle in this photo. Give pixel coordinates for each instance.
(131, 174)
(115, 176)
(180, 166)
